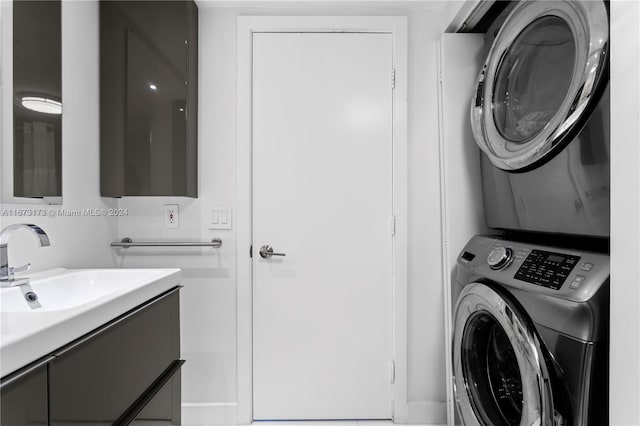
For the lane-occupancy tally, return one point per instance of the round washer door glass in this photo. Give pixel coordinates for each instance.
(490, 364)
(500, 373)
(542, 77)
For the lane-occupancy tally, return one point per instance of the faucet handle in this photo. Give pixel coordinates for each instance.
(8, 277)
(22, 268)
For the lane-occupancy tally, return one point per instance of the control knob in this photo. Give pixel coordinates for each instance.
(499, 257)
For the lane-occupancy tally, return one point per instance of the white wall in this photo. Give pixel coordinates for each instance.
(76, 242)
(625, 214)
(461, 203)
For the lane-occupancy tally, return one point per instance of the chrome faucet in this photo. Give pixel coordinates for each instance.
(7, 273)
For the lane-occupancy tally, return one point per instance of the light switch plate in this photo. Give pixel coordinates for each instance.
(220, 217)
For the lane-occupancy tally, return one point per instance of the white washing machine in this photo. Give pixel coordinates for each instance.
(540, 114)
(531, 331)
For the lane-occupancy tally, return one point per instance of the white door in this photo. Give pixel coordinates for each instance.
(322, 195)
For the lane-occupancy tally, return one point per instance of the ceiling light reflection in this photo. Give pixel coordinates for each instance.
(43, 105)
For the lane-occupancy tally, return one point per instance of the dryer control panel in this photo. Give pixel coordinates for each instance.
(546, 268)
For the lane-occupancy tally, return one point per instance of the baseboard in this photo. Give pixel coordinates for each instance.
(226, 413)
(209, 414)
(427, 413)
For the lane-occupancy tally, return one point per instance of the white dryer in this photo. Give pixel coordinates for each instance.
(540, 114)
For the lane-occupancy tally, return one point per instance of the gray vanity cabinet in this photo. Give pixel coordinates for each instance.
(108, 375)
(125, 372)
(148, 98)
(23, 398)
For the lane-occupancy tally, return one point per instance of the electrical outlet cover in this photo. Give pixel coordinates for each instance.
(171, 216)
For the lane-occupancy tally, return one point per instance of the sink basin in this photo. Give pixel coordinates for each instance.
(70, 303)
(71, 289)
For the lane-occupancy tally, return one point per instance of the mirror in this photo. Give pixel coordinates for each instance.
(32, 101)
(148, 98)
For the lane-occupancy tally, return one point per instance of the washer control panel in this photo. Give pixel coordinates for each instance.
(546, 268)
(565, 273)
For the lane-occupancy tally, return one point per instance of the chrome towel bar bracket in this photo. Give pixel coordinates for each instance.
(128, 242)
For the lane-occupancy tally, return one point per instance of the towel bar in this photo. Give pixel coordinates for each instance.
(128, 242)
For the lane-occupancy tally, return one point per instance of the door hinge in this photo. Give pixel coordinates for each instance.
(393, 78)
(393, 372)
(251, 250)
(393, 226)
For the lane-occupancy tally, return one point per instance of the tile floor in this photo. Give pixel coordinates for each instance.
(330, 423)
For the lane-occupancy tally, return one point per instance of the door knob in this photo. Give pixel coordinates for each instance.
(266, 251)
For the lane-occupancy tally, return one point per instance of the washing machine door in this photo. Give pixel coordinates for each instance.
(501, 377)
(544, 74)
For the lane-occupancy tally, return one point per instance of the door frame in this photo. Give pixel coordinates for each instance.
(247, 25)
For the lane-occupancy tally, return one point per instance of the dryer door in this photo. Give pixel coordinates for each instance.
(543, 76)
(500, 373)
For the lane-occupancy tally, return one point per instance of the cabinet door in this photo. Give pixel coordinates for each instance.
(23, 397)
(160, 405)
(148, 98)
(100, 377)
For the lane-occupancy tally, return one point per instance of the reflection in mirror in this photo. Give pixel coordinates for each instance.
(156, 101)
(37, 99)
(148, 98)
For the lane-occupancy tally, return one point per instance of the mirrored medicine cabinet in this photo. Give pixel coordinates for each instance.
(148, 98)
(31, 88)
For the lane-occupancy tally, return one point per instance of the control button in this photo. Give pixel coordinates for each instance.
(587, 266)
(499, 257)
(467, 257)
(577, 282)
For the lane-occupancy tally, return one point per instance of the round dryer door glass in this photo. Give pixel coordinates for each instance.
(543, 76)
(533, 79)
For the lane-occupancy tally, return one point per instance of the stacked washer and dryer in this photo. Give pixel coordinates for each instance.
(531, 320)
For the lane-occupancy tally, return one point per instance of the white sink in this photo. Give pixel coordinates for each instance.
(70, 303)
(71, 289)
